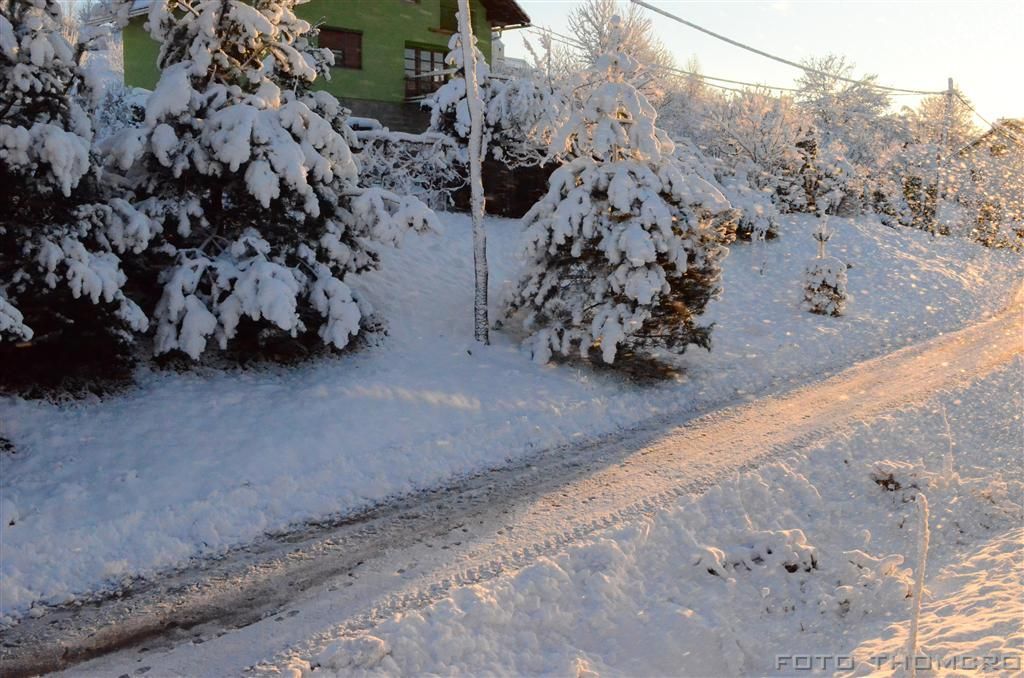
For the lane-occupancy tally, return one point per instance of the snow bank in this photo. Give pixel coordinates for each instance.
(973, 612)
(803, 557)
(101, 491)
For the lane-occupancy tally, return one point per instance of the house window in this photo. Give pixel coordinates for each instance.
(423, 70)
(449, 18)
(347, 46)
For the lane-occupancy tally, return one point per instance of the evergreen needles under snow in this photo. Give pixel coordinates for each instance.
(519, 112)
(825, 279)
(252, 178)
(825, 286)
(61, 236)
(625, 249)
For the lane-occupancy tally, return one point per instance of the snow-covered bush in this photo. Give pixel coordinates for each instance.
(425, 166)
(758, 215)
(524, 113)
(625, 249)
(521, 112)
(825, 280)
(989, 179)
(252, 178)
(120, 107)
(753, 209)
(832, 180)
(756, 135)
(61, 236)
(825, 286)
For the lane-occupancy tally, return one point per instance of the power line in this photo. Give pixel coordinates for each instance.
(993, 126)
(701, 76)
(773, 57)
(566, 40)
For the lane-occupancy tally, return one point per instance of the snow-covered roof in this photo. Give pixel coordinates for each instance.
(1005, 129)
(506, 13)
(139, 7)
(104, 15)
(501, 13)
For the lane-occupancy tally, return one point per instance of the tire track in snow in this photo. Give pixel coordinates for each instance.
(410, 553)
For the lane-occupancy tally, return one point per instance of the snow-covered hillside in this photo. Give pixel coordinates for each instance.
(810, 556)
(187, 465)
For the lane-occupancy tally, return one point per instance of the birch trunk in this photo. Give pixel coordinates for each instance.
(481, 326)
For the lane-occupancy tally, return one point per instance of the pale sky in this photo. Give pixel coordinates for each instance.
(909, 44)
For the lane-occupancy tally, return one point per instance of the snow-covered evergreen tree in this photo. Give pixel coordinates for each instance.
(449, 105)
(520, 112)
(758, 217)
(252, 178)
(829, 177)
(61, 237)
(624, 250)
(825, 279)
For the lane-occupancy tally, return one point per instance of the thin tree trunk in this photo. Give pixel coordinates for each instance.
(923, 536)
(481, 326)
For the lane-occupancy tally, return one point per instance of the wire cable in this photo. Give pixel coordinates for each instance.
(773, 57)
(571, 42)
(566, 40)
(993, 126)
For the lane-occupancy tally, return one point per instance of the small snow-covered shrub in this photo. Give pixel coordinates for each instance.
(424, 166)
(119, 108)
(758, 215)
(825, 286)
(251, 176)
(625, 249)
(63, 235)
(756, 137)
(966, 508)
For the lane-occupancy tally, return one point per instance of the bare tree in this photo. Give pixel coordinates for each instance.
(589, 24)
(853, 113)
(929, 121)
(835, 102)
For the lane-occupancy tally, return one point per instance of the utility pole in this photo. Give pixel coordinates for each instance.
(942, 161)
(948, 118)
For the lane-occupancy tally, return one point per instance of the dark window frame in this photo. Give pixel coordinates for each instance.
(449, 22)
(419, 59)
(343, 55)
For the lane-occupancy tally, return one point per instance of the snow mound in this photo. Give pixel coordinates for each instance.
(105, 490)
(804, 556)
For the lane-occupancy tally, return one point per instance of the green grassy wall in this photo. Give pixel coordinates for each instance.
(140, 53)
(387, 25)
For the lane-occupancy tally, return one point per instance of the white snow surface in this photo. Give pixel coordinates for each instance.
(187, 465)
(807, 556)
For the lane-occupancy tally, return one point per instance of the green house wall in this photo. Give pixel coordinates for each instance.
(140, 53)
(387, 26)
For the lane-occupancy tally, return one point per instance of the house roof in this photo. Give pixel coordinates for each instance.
(505, 13)
(500, 13)
(1004, 130)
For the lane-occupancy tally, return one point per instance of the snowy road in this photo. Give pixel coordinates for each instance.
(217, 620)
